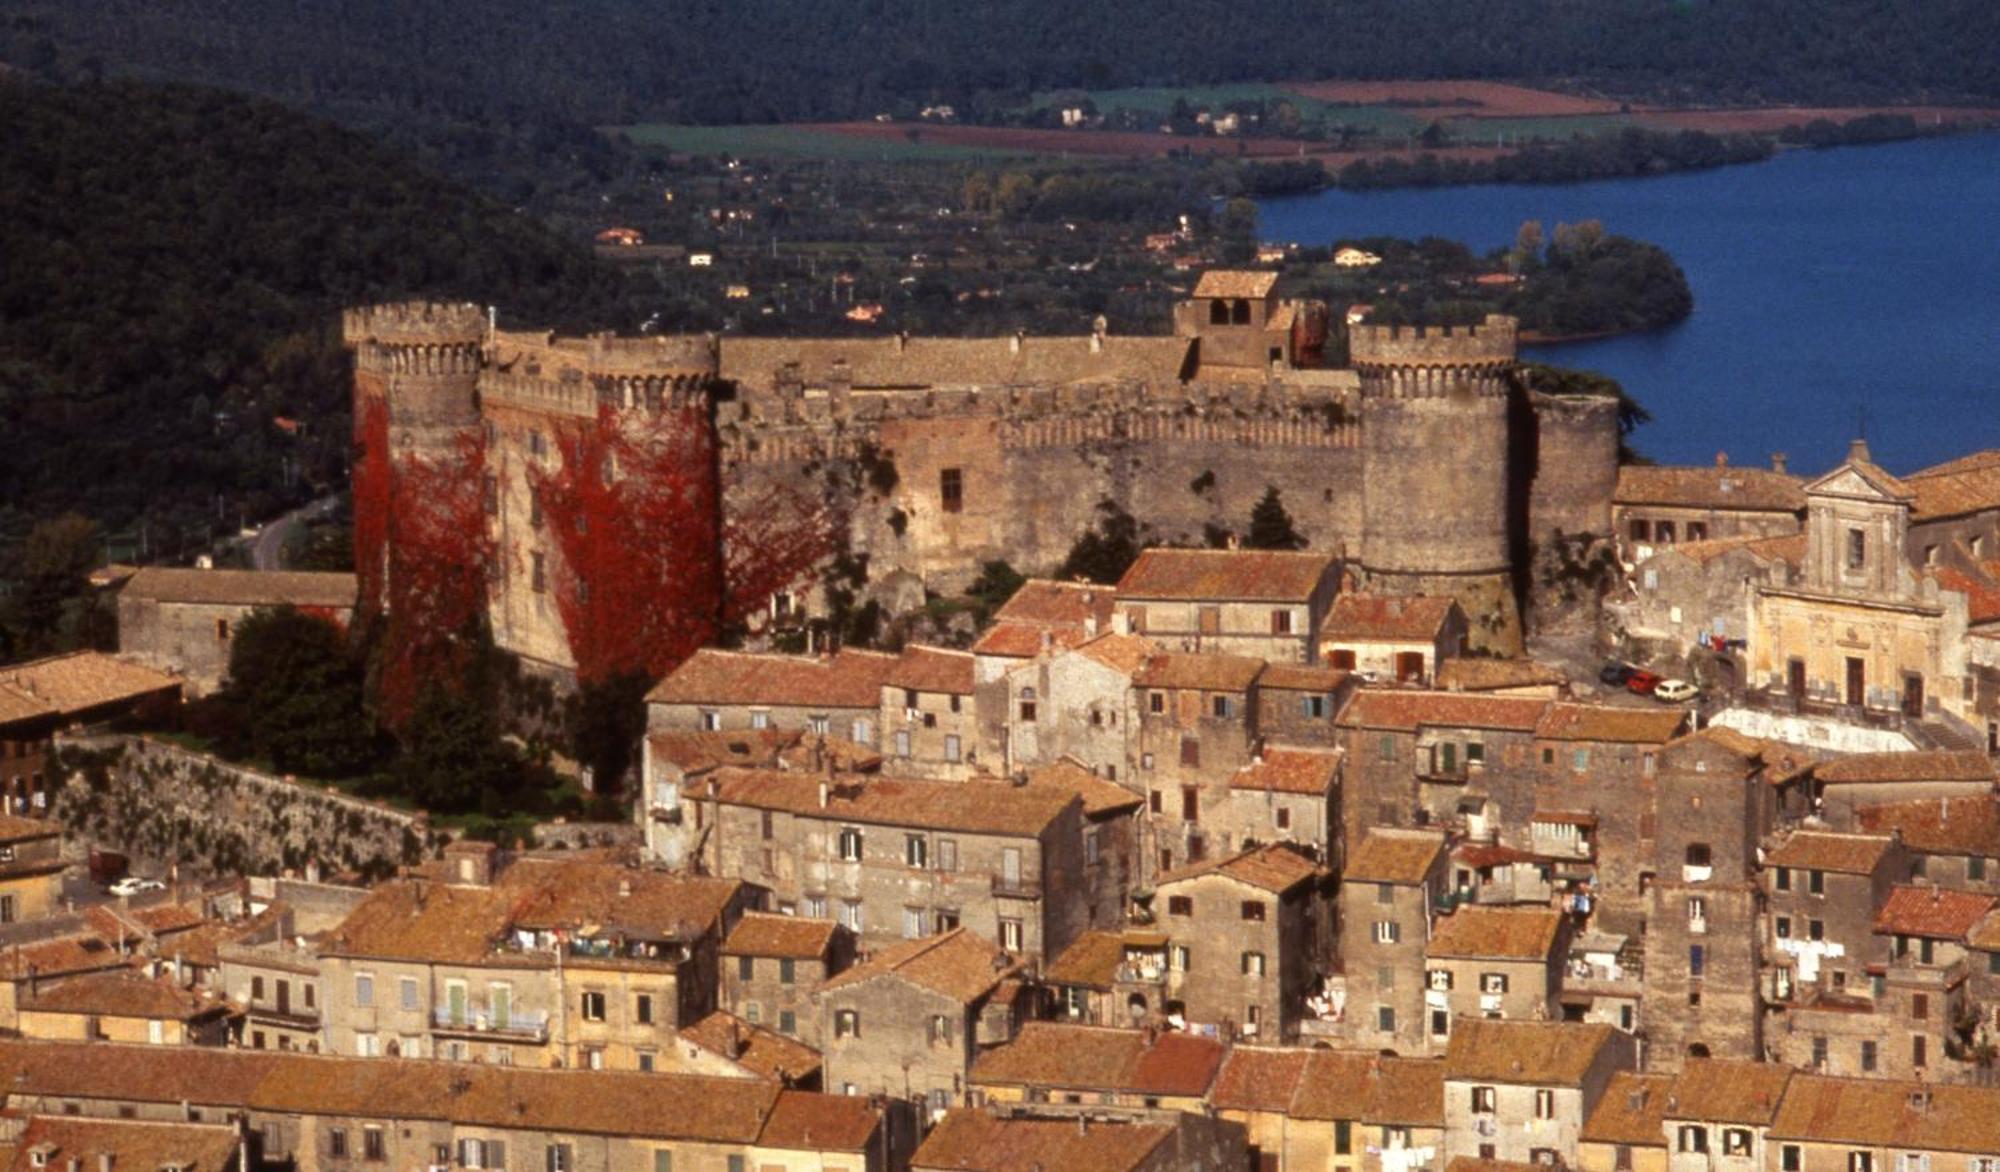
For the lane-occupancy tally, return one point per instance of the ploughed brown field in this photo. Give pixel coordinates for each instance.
(1472, 99)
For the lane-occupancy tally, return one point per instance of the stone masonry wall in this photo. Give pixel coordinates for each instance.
(157, 801)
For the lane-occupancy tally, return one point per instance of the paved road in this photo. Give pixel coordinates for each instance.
(268, 547)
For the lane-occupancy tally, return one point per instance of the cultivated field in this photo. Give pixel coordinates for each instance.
(1478, 99)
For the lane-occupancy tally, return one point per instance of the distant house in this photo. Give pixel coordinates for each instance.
(184, 621)
(622, 237)
(701, 260)
(1354, 258)
(1399, 638)
(867, 311)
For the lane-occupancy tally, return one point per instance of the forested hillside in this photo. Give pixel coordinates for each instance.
(174, 263)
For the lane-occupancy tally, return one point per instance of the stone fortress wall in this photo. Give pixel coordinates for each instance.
(1421, 464)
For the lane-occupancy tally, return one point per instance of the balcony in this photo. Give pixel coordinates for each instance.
(289, 1016)
(1016, 886)
(519, 1025)
(664, 814)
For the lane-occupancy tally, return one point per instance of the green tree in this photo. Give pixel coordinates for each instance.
(453, 760)
(1104, 553)
(45, 612)
(1271, 525)
(295, 679)
(607, 719)
(1527, 251)
(996, 583)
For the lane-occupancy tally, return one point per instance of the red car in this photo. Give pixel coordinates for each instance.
(1642, 683)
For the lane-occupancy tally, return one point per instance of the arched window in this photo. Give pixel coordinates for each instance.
(1240, 312)
(1027, 706)
(1218, 312)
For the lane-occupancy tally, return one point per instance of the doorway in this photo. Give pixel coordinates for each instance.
(1857, 681)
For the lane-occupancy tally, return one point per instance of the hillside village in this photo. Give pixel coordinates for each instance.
(1271, 859)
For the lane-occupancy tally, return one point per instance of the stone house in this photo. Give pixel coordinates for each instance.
(1843, 785)
(1111, 852)
(1953, 842)
(1249, 939)
(1503, 677)
(1493, 964)
(270, 966)
(1196, 727)
(1687, 595)
(1392, 637)
(1422, 758)
(1263, 603)
(909, 1021)
(897, 859)
(54, 1141)
(1717, 1117)
(1821, 890)
(328, 1114)
(1041, 617)
(771, 964)
(1340, 1110)
(1924, 982)
(1297, 704)
(725, 1045)
(123, 1007)
(1956, 503)
(1522, 1090)
(1287, 795)
(716, 691)
(27, 735)
(31, 868)
(675, 763)
(930, 718)
(1827, 1124)
(184, 621)
(1627, 1130)
(80, 689)
(1110, 978)
(1074, 702)
(1391, 881)
(1101, 1141)
(1860, 629)
(1072, 1064)
(1656, 506)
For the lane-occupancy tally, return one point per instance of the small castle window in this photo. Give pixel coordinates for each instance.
(1218, 312)
(1857, 548)
(951, 490)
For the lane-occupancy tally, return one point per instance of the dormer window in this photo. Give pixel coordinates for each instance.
(1857, 548)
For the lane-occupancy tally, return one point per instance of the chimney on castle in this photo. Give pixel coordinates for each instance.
(1777, 461)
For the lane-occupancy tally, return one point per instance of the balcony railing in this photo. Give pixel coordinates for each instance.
(1017, 886)
(528, 1024)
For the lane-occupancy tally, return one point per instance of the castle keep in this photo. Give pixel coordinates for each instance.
(1422, 465)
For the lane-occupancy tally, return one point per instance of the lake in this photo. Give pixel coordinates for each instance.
(1826, 283)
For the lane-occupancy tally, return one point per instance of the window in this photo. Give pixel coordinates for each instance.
(1493, 982)
(1253, 909)
(913, 922)
(1696, 959)
(1483, 1100)
(1312, 707)
(1178, 958)
(1816, 882)
(902, 742)
(374, 1145)
(1180, 905)
(1858, 1161)
(951, 747)
(1253, 964)
(1736, 1141)
(1819, 1052)
(593, 1006)
(1867, 1055)
(560, 1158)
(1783, 927)
(817, 723)
(1010, 935)
(951, 489)
(1190, 799)
(1222, 708)
(947, 854)
(1857, 548)
(222, 630)
(364, 990)
(1545, 1103)
(1388, 931)
(1975, 868)
(1343, 1137)
(1438, 979)
(760, 720)
(256, 988)
(1790, 1159)
(1816, 929)
(736, 1164)
(1579, 760)
(788, 1022)
(850, 844)
(1190, 752)
(787, 970)
(916, 851)
(850, 915)
(1284, 816)
(1027, 706)
(1385, 893)
(1920, 1006)
(642, 1009)
(1385, 749)
(1693, 1138)
(336, 1142)
(1281, 622)
(1782, 879)
(406, 993)
(1385, 1018)
(846, 1023)
(940, 1030)
(746, 968)
(1664, 532)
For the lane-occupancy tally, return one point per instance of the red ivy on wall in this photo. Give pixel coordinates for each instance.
(371, 495)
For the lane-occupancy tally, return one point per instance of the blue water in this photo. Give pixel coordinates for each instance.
(1825, 283)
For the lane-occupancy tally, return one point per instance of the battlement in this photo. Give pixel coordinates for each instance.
(1493, 343)
(606, 353)
(414, 323)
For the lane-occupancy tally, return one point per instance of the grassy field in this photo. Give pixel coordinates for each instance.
(803, 141)
(1519, 131)
(1160, 99)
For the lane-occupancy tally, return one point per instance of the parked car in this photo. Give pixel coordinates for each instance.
(1675, 691)
(1616, 674)
(133, 885)
(1641, 683)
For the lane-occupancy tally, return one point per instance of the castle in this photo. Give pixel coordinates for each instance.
(1423, 464)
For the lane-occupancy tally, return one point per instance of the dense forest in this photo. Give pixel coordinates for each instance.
(175, 262)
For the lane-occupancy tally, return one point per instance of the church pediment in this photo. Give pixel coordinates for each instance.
(1859, 482)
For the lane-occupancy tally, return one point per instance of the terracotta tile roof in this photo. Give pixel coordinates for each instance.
(1124, 654)
(1819, 850)
(917, 363)
(1467, 674)
(1910, 766)
(1789, 548)
(1289, 771)
(1023, 640)
(84, 680)
(121, 994)
(1881, 1113)
(1982, 591)
(1386, 855)
(1715, 1090)
(978, 1141)
(1385, 618)
(1538, 1052)
(978, 807)
(1968, 484)
(416, 919)
(1710, 487)
(1246, 283)
(932, 669)
(83, 953)
(1940, 826)
(1274, 867)
(1631, 1111)
(849, 679)
(244, 587)
(17, 705)
(1256, 1078)
(1479, 1164)
(763, 1052)
(700, 752)
(1225, 575)
(768, 934)
(1372, 1087)
(1779, 761)
(1207, 673)
(1091, 959)
(1603, 722)
(17, 829)
(1100, 797)
(1300, 677)
(1985, 935)
(1406, 711)
(958, 964)
(1496, 933)
(1046, 602)
(806, 1122)
(131, 1145)
(1049, 1054)
(1938, 912)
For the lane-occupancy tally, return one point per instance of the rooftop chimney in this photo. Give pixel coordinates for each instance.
(1777, 461)
(1722, 459)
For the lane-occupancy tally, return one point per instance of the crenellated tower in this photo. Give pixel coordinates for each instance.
(422, 359)
(1435, 468)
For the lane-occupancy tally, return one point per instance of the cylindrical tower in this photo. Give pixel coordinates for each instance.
(1434, 437)
(1576, 466)
(422, 359)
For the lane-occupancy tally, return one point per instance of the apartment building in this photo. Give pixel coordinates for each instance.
(1392, 882)
(772, 964)
(1521, 1091)
(1249, 939)
(1263, 603)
